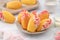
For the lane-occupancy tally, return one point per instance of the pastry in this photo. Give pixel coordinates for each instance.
(14, 5)
(8, 17)
(23, 18)
(44, 15)
(33, 24)
(20, 15)
(33, 13)
(44, 24)
(29, 2)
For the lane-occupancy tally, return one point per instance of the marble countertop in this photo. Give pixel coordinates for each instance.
(12, 28)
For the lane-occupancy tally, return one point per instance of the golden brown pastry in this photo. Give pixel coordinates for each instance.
(23, 18)
(44, 24)
(34, 23)
(8, 17)
(29, 2)
(14, 5)
(44, 15)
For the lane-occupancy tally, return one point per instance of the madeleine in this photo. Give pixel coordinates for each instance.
(14, 5)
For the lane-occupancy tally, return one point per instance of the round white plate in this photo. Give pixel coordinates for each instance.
(21, 29)
(31, 7)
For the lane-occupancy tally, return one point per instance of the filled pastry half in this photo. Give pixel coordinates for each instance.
(23, 18)
(7, 17)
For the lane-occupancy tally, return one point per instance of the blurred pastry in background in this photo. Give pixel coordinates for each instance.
(34, 22)
(8, 17)
(29, 2)
(14, 5)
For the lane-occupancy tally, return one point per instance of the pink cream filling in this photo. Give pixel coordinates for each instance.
(36, 20)
(24, 14)
(1, 16)
(46, 24)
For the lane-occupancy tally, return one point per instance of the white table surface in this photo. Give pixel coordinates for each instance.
(12, 28)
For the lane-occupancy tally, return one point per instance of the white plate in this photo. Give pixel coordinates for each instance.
(21, 29)
(23, 7)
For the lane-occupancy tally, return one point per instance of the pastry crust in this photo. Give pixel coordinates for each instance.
(27, 7)
(29, 2)
(13, 5)
(31, 7)
(8, 17)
